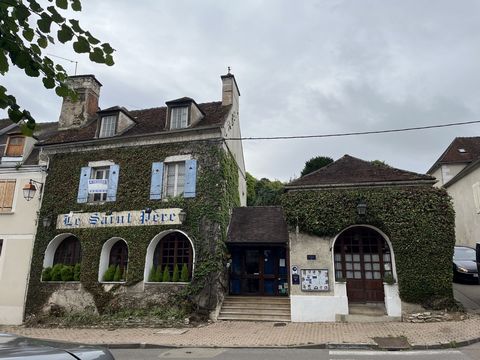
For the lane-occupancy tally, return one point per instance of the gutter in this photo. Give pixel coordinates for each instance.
(105, 141)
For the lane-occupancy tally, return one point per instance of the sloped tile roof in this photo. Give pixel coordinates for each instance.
(349, 170)
(461, 150)
(148, 121)
(258, 224)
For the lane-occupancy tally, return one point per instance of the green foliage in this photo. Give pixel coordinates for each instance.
(176, 274)
(315, 163)
(379, 163)
(118, 274)
(263, 192)
(159, 274)
(76, 272)
(27, 29)
(57, 272)
(184, 277)
(151, 275)
(109, 274)
(419, 221)
(208, 215)
(66, 273)
(47, 274)
(166, 274)
(389, 279)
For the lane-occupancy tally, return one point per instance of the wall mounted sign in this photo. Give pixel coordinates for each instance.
(315, 280)
(295, 279)
(97, 186)
(294, 269)
(120, 218)
(311, 257)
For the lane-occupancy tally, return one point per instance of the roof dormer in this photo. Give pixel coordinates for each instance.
(17, 148)
(182, 113)
(113, 121)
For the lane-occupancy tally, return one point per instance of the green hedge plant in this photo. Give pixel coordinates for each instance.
(47, 274)
(57, 272)
(76, 272)
(184, 275)
(109, 274)
(166, 275)
(176, 274)
(118, 274)
(66, 274)
(159, 274)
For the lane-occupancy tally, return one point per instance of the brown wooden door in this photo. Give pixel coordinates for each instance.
(362, 257)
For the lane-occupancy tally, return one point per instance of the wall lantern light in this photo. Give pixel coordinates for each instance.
(361, 207)
(46, 221)
(182, 215)
(30, 189)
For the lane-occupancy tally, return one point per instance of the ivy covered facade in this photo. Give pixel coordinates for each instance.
(139, 203)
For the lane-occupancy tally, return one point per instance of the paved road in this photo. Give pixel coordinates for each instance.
(468, 295)
(468, 353)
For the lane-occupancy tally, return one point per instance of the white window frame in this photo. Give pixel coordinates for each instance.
(102, 197)
(108, 126)
(176, 191)
(179, 117)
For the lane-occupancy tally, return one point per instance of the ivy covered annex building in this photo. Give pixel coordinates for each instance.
(139, 201)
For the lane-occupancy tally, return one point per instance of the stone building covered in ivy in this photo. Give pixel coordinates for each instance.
(139, 202)
(366, 237)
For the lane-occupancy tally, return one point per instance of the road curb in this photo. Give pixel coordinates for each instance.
(330, 346)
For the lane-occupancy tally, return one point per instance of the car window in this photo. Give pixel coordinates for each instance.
(464, 253)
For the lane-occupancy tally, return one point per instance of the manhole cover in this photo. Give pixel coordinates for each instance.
(392, 343)
(193, 353)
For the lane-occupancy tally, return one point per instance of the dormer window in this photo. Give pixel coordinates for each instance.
(461, 150)
(108, 127)
(15, 146)
(179, 117)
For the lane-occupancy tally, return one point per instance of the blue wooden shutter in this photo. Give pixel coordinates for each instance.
(157, 181)
(113, 182)
(82, 195)
(190, 178)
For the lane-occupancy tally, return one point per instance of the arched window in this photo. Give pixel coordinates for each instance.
(68, 252)
(119, 255)
(173, 249)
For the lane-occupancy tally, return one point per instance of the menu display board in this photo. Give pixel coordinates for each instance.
(315, 280)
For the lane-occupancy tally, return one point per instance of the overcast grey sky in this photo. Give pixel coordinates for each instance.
(303, 67)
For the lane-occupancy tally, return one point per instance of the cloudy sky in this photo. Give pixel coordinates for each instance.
(303, 67)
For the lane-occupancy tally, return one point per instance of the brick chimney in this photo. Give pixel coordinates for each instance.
(76, 114)
(230, 92)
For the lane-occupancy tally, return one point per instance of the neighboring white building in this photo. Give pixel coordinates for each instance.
(18, 217)
(458, 171)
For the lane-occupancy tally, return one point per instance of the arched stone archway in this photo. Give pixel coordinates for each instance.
(363, 256)
(149, 259)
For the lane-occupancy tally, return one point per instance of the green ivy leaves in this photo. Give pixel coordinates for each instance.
(23, 44)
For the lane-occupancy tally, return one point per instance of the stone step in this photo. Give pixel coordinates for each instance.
(256, 311)
(373, 309)
(255, 306)
(253, 317)
(355, 318)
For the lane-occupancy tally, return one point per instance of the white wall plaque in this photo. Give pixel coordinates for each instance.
(121, 218)
(97, 186)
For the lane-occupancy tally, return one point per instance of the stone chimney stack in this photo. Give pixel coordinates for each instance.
(230, 92)
(76, 114)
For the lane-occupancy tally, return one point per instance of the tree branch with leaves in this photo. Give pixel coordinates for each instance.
(27, 28)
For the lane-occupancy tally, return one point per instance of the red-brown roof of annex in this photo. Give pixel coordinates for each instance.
(349, 171)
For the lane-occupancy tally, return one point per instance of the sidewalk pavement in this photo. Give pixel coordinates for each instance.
(268, 334)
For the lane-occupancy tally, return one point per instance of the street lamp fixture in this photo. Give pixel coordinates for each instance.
(46, 221)
(361, 208)
(182, 215)
(30, 189)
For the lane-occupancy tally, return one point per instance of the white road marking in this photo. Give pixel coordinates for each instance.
(393, 353)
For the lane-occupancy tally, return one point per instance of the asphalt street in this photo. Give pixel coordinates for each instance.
(471, 352)
(468, 295)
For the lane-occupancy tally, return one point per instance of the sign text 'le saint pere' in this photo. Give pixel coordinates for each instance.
(120, 218)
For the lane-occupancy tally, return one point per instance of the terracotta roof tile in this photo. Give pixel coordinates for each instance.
(258, 224)
(350, 170)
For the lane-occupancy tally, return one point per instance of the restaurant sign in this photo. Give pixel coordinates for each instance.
(75, 220)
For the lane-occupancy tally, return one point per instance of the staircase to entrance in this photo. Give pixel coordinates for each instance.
(255, 308)
(368, 312)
